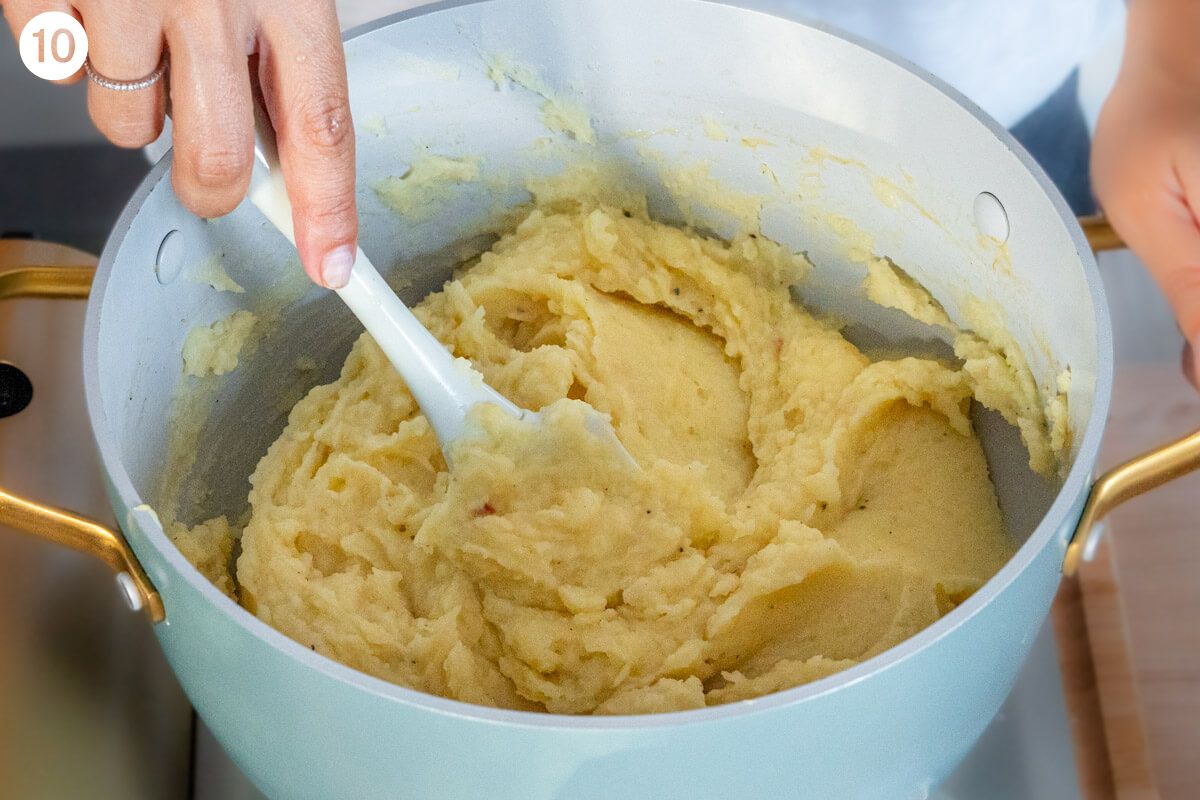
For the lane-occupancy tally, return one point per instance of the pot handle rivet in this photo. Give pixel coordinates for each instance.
(1099, 528)
(990, 217)
(129, 591)
(169, 261)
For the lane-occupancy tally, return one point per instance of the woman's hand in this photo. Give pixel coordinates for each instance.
(302, 71)
(1146, 154)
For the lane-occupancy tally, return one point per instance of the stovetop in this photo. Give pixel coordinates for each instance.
(82, 681)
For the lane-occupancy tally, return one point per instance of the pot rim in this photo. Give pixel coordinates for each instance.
(1074, 487)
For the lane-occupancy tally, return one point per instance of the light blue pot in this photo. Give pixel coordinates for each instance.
(650, 73)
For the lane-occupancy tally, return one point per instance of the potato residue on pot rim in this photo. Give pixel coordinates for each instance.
(798, 508)
(993, 364)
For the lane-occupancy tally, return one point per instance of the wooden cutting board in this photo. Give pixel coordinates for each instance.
(1129, 627)
(1101, 691)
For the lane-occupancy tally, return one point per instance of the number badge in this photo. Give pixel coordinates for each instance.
(53, 45)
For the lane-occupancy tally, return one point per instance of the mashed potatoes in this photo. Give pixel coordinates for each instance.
(798, 508)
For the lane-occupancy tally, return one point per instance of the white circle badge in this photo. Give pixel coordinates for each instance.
(53, 45)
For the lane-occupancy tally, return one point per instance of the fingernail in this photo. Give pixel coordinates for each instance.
(335, 268)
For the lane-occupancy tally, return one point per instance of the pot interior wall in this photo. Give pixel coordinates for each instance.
(847, 152)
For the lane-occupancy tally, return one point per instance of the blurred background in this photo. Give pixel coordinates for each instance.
(88, 707)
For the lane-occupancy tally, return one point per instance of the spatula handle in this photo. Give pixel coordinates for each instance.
(444, 387)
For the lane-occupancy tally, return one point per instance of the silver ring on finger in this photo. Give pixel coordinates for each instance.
(125, 86)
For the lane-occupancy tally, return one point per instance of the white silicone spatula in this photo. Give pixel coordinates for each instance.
(444, 387)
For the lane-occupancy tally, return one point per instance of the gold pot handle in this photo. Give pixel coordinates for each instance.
(1100, 234)
(1138, 475)
(39, 269)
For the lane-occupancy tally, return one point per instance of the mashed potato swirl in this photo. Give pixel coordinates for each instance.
(798, 508)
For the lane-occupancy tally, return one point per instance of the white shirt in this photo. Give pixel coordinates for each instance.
(1006, 55)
